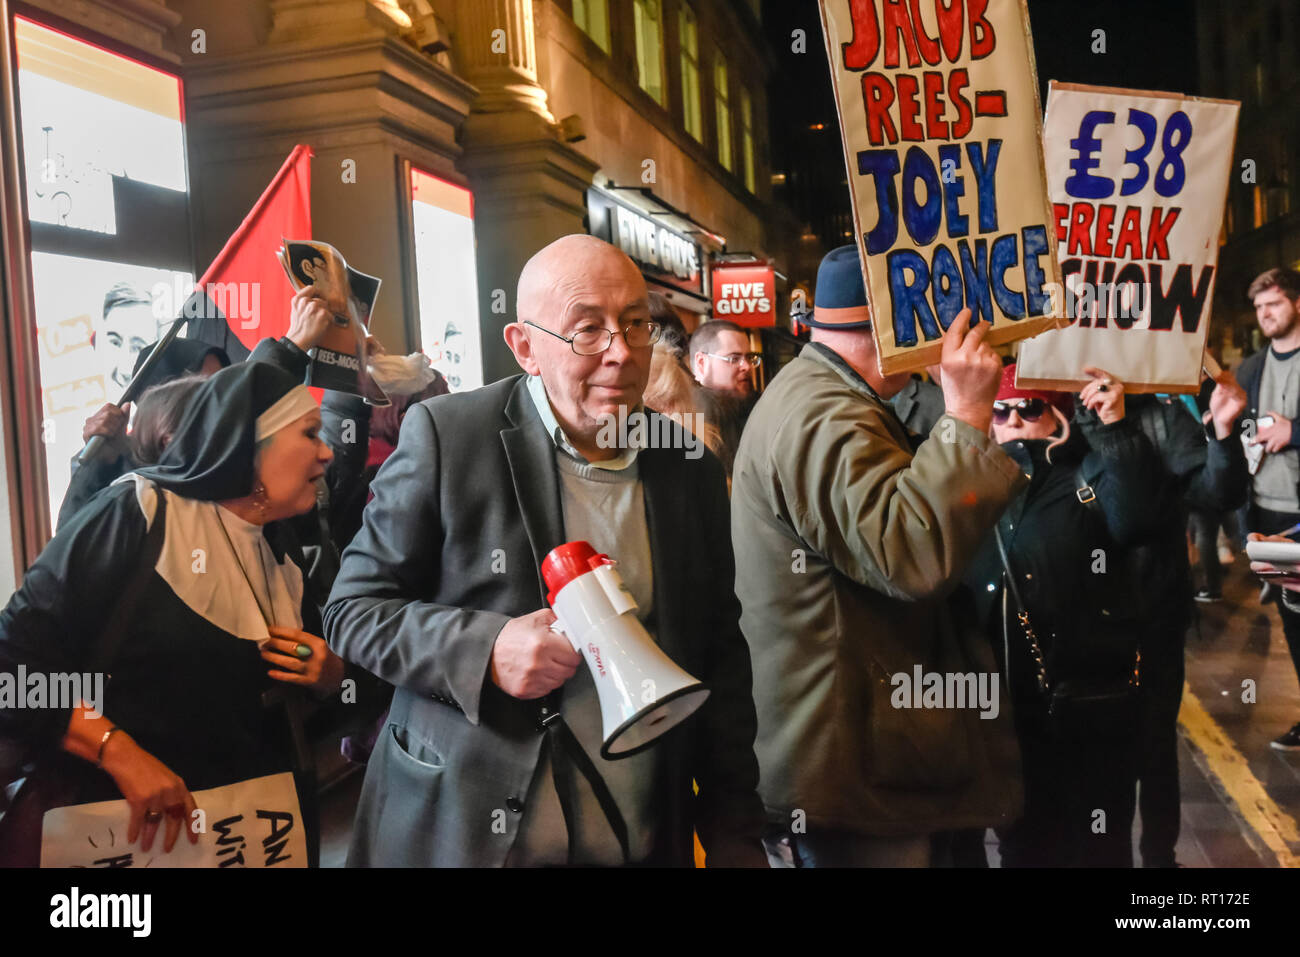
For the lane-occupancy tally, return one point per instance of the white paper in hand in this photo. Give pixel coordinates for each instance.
(1275, 553)
(255, 823)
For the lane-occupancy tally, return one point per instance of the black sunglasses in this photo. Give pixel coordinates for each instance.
(1031, 410)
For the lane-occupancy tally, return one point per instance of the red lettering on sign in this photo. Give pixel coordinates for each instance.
(862, 49)
(958, 80)
(878, 97)
(1158, 232)
(895, 23)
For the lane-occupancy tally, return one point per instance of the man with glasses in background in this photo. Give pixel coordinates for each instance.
(440, 594)
(724, 367)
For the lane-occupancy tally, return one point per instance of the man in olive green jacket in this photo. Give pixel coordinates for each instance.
(880, 722)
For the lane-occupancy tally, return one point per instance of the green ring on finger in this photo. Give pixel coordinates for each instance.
(302, 651)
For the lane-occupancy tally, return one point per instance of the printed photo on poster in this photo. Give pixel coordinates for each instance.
(339, 359)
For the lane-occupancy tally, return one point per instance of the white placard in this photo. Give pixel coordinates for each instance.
(255, 823)
(1138, 182)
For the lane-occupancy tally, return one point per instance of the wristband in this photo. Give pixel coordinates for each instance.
(99, 758)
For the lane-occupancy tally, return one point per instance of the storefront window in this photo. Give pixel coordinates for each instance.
(107, 196)
(747, 138)
(649, 47)
(688, 29)
(722, 108)
(446, 279)
(592, 16)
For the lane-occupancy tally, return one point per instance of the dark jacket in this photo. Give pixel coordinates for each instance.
(849, 549)
(1067, 555)
(919, 405)
(1198, 471)
(1249, 375)
(472, 488)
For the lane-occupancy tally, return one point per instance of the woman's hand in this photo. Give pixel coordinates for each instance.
(321, 670)
(309, 318)
(153, 791)
(1104, 395)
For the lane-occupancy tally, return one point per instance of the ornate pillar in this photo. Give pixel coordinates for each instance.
(497, 52)
(529, 185)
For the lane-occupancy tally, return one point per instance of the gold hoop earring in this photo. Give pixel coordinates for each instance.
(260, 499)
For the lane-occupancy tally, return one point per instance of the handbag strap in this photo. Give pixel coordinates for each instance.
(119, 620)
(1022, 615)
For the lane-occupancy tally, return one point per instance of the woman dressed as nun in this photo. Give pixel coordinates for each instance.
(180, 582)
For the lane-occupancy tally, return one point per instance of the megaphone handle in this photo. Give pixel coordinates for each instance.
(557, 626)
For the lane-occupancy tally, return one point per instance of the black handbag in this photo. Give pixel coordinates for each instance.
(55, 778)
(1090, 707)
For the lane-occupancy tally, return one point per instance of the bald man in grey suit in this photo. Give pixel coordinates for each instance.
(440, 595)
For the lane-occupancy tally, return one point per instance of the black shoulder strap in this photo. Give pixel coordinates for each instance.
(566, 750)
(110, 639)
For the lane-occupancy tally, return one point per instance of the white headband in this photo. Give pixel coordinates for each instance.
(291, 406)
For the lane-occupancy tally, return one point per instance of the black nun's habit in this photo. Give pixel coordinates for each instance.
(188, 683)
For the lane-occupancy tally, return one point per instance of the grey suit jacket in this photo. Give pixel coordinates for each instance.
(450, 549)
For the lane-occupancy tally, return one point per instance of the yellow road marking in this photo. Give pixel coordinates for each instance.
(1274, 826)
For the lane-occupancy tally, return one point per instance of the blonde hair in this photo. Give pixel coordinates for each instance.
(671, 393)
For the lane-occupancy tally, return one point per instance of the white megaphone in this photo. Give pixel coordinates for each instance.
(642, 692)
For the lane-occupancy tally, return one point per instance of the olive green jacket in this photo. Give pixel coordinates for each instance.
(849, 552)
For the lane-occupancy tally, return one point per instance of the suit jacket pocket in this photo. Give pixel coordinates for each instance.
(409, 776)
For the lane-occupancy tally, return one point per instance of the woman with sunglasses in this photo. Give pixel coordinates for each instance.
(1051, 594)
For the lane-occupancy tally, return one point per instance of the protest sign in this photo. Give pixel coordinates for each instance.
(1138, 184)
(255, 823)
(940, 119)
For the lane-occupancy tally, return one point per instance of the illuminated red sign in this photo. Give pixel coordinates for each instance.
(745, 294)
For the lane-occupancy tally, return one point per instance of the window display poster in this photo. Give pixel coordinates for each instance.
(447, 279)
(99, 130)
(92, 320)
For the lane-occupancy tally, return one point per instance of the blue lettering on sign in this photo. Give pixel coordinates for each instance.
(984, 164)
(1171, 183)
(1171, 173)
(1034, 241)
(1082, 183)
(958, 223)
(908, 296)
(946, 284)
(1002, 257)
(978, 295)
(922, 219)
(883, 165)
(1138, 156)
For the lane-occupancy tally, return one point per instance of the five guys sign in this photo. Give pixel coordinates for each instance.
(745, 294)
(939, 113)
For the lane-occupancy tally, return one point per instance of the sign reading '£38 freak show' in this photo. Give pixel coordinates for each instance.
(939, 113)
(1139, 181)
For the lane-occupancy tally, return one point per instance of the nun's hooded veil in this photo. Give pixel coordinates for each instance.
(213, 453)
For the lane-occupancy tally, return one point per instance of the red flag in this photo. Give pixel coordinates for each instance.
(244, 295)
